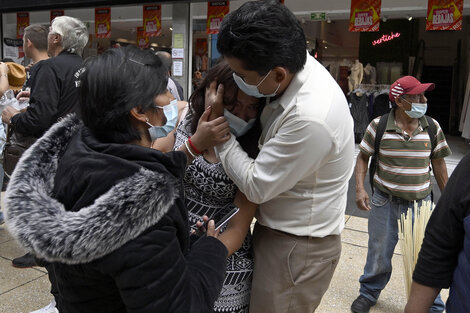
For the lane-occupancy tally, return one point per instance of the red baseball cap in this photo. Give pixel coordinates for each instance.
(408, 85)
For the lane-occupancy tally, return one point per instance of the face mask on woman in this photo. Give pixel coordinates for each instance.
(171, 114)
(238, 126)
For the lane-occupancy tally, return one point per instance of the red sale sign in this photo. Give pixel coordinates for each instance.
(152, 20)
(216, 11)
(444, 15)
(365, 15)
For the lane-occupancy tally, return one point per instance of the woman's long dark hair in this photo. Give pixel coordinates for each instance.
(222, 74)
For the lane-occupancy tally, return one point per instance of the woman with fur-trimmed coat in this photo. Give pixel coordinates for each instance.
(106, 211)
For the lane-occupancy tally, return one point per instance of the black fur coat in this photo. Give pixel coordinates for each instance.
(111, 219)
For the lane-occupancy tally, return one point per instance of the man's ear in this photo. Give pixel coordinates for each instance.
(28, 43)
(138, 114)
(399, 102)
(56, 38)
(280, 73)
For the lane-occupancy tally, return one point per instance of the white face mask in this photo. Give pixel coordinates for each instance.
(417, 109)
(171, 114)
(238, 126)
(252, 90)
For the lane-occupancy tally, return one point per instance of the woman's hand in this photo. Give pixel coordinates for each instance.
(4, 68)
(215, 99)
(210, 133)
(210, 231)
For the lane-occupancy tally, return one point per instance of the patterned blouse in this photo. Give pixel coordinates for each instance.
(209, 191)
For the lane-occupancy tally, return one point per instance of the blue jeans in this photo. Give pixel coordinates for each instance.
(383, 237)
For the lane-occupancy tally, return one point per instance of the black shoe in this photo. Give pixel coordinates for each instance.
(25, 261)
(361, 305)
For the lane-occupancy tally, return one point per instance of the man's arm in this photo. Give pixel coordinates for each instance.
(439, 169)
(4, 85)
(45, 95)
(298, 149)
(362, 198)
(421, 298)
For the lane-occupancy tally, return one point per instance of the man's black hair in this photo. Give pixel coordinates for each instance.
(263, 35)
(115, 82)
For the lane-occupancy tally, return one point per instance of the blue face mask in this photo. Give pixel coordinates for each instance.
(417, 109)
(171, 114)
(238, 126)
(252, 90)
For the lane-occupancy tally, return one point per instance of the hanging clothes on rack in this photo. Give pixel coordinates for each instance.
(381, 105)
(358, 103)
(378, 102)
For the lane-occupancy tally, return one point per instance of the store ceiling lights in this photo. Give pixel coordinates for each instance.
(410, 18)
(171, 28)
(328, 20)
(384, 19)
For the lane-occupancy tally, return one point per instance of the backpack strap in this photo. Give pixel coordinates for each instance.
(379, 132)
(432, 131)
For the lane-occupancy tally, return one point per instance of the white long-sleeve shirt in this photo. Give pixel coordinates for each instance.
(300, 177)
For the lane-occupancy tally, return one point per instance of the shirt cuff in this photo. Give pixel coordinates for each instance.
(14, 118)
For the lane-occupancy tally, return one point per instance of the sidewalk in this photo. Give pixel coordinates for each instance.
(25, 290)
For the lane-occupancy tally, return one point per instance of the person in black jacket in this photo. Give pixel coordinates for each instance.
(444, 258)
(108, 211)
(53, 89)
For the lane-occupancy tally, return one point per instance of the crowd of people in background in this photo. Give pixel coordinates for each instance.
(115, 182)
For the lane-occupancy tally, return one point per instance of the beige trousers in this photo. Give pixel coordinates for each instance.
(291, 273)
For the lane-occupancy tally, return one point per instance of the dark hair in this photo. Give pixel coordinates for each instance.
(263, 35)
(166, 59)
(37, 34)
(222, 74)
(114, 83)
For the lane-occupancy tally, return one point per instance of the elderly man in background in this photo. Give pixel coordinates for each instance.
(407, 143)
(173, 86)
(54, 94)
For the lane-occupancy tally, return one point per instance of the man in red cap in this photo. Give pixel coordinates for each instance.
(405, 151)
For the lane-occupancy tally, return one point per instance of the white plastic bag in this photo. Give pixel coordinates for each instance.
(8, 99)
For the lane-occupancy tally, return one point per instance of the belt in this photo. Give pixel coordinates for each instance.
(285, 234)
(394, 198)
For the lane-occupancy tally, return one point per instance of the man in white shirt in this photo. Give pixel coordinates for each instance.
(300, 177)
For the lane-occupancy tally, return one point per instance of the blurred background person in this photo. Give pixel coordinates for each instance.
(12, 75)
(173, 86)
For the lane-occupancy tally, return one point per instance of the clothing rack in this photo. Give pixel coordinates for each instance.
(371, 88)
(374, 87)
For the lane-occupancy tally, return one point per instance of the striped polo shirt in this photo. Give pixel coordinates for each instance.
(404, 160)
